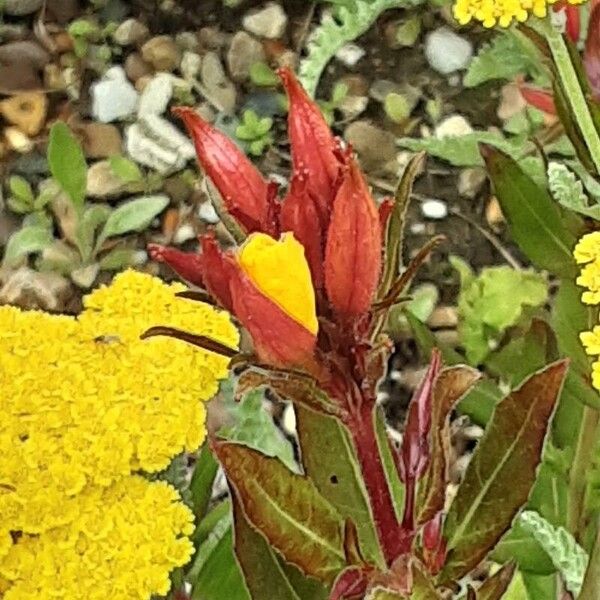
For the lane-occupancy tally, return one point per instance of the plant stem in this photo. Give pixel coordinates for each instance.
(582, 462)
(573, 91)
(361, 425)
(591, 583)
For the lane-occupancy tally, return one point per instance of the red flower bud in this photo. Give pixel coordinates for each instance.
(187, 265)
(434, 545)
(300, 215)
(591, 53)
(353, 249)
(540, 99)
(314, 148)
(247, 195)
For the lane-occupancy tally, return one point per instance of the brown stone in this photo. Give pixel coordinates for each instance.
(101, 140)
(27, 111)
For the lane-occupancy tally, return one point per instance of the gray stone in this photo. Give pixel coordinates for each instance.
(350, 54)
(374, 146)
(470, 182)
(190, 66)
(207, 213)
(156, 95)
(243, 52)
(18, 8)
(113, 97)
(130, 32)
(32, 290)
(268, 22)
(447, 51)
(217, 87)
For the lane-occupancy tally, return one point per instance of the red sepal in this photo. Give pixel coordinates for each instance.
(538, 98)
(591, 53)
(187, 265)
(351, 584)
(434, 545)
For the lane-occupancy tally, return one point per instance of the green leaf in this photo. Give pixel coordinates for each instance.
(255, 428)
(503, 58)
(541, 587)
(28, 240)
(67, 163)
(287, 509)
(567, 190)
(568, 557)
(535, 222)
(265, 574)
(215, 573)
(396, 107)
(329, 461)
(18, 206)
(501, 473)
(463, 150)
(480, 402)
(203, 478)
(87, 225)
(125, 169)
(591, 583)
(134, 215)
(494, 587)
(262, 75)
(119, 258)
(58, 257)
(21, 189)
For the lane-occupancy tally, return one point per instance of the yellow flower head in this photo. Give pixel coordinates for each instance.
(84, 404)
(502, 12)
(279, 270)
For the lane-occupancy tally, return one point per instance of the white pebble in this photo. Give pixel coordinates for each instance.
(434, 209)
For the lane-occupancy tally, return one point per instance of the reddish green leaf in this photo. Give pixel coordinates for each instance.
(502, 471)
(535, 220)
(287, 509)
(423, 586)
(494, 587)
(451, 384)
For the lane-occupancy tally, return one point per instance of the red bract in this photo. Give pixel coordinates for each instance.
(246, 194)
(353, 251)
(591, 54)
(538, 98)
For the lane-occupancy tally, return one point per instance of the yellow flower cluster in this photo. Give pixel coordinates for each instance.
(84, 406)
(587, 253)
(502, 12)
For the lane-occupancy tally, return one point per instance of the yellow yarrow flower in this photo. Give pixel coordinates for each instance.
(501, 12)
(84, 404)
(279, 269)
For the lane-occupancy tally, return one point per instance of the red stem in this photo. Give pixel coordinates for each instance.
(361, 425)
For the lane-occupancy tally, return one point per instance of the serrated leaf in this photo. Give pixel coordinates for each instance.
(134, 215)
(67, 163)
(27, 240)
(567, 556)
(535, 222)
(125, 169)
(501, 473)
(21, 189)
(567, 190)
(287, 509)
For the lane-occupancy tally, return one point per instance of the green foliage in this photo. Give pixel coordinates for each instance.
(25, 241)
(491, 302)
(125, 169)
(338, 95)
(352, 19)
(262, 75)
(255, 131)
(567, 190)
(568, 557)
(396, 107)
(67, 163)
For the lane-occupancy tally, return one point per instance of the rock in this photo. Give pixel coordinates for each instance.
(156, 143)
(54, 78)
(242, 54)
(20, 66)
(17, 140)
(374, 146)
(183, 234)
(452, 126)
(177, 189)
(30, 289)
(493, 214)
(162, 53)
(187, 41)
(352, 106)
(190, 66)
(268, 22)
(130, 32)
(443, 317)
(207, 213)
(470, 182)
(447, 52)
(62, 11)
(357, 84)
(350, 54)
(211, 38)
(136, 67)
(511, 103)
(218, 88)
(142, 82)
(27, 111)
(382, 88)
(156, 95)
(113, 97)
(18, 8)
(434, 209)
(102, 182)
(101, 140)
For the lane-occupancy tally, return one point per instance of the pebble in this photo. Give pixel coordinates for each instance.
(434, 209)
(156, 143)
(511, 102)
(101, 140)
(102, 182)
(454, 125)
(162, 53)
(470, 182)
(27, 111)
(289, 419)
(190, 66)
(219, 89)
(374, 146)
(443, 317)
(131, 32)
(113, 97)
(418, 228)
(17, 140)
(447, 52)
(183, 234)
(207, 213)
(268, 22)
(20, 65)
(350, 54)
(30, 289)
(156, 95)
(19, 8)
(136, 67)
(243, 52)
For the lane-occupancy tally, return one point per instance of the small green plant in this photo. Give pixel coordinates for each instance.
(338, 95)
(87, 33)
(255, 131)
(89, 242)
(262, 75)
